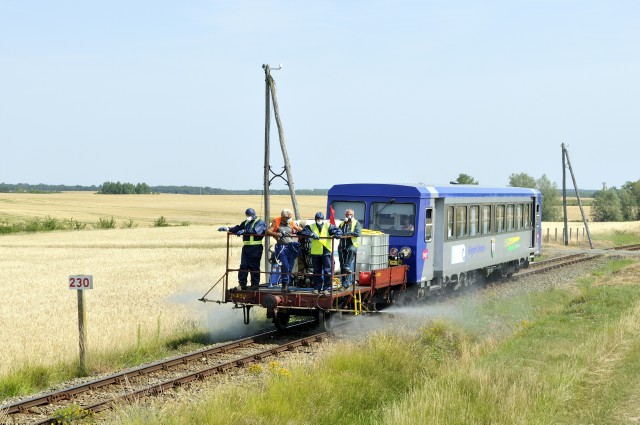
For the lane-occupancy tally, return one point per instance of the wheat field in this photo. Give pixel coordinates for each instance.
(146, 279)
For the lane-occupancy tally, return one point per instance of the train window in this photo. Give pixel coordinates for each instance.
(486, 219)
(428, 225)
(340, 207)
(527, 216)
(509, 217)
(450, 222)
(518, 216)
(499, 218)
(393, 218)
(461, 221)
(474, 218)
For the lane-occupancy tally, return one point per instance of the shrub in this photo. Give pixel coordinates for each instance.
(161, 222)
(105, 223)
(129, 224)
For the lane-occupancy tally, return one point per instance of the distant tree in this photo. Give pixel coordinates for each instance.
(124, 188)
(606, 206)
(143, 189)
(522, 180)
(466, 179)
(634, 203)
(628, 205)
(550, 199)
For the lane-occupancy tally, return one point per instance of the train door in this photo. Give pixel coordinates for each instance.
(428, 254)
(535, 231)
(434, 266)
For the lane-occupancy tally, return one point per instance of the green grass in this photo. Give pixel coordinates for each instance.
(621, 238)
(31, 378)
(562, 356)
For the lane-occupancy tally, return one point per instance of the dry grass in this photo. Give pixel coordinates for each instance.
(145, 278)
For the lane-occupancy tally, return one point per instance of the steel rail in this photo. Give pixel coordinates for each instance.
(158, 388)
(122, 377)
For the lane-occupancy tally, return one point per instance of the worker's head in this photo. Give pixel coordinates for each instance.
(319, 217)
(286, 214)
(348, 214)
(251, 213)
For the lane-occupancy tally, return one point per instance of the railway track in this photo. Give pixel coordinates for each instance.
(635, 247)
(153, 379)
(555, 263)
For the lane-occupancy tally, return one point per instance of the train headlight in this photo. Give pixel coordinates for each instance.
(405, 252)
(393, 252)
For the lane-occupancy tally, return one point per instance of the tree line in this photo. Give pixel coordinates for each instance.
(609, 204)
(129, 188)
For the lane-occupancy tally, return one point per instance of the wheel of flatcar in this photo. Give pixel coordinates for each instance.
(386, 300)
(327, 320)
(281, 320)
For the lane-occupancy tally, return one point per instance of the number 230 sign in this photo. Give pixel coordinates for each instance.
(81, 282)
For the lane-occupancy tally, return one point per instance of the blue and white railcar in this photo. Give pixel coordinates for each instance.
(448, 235)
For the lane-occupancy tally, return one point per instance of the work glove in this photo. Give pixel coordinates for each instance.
(223, 229)
(314, 236)
(240, 232)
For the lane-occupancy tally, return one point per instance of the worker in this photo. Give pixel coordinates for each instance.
(287, 248)
(348, 247)
(321, 252)
(252, 231)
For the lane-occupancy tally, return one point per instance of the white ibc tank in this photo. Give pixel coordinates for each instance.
(373, 251)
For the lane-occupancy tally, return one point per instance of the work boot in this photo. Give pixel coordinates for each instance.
(254, 286)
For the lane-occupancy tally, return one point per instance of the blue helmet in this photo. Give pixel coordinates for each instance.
(319, 215)
(251, 212)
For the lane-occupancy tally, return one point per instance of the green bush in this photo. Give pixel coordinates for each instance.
(105, 223)
(160, 222)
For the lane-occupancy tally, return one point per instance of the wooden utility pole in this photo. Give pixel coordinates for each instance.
(287, 165)
(565, 235)
(565, 155)
(271, 98)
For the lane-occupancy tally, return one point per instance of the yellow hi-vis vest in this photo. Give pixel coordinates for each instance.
(354, 239)
(316, 245)
(250, 240)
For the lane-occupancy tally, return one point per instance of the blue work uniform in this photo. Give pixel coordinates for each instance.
(348, 248)
(321, 253)
(251, 250)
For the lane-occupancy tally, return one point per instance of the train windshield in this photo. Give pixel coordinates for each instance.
(340, 207)
(395, 219)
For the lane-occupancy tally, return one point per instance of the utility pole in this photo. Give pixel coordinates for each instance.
(565, 155)
(565, 236)
(271, 98)
(267, 166)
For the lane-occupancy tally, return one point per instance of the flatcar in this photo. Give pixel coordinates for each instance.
(417, 241)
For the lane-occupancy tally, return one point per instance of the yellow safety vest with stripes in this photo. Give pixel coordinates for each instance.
(250, 240)
(318, 244)
(354, 239)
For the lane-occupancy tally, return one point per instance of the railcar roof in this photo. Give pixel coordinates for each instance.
(426, 191)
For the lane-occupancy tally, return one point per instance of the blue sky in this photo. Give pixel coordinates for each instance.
(172, 93)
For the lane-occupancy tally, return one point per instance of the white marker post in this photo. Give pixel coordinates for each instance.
(80, 283)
